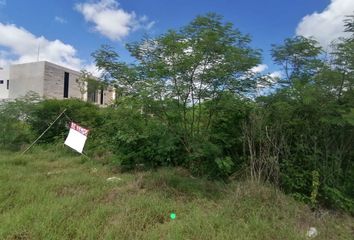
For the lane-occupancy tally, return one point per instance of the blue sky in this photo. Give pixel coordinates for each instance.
(68, 31)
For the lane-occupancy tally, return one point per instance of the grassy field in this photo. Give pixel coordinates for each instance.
(55, 194)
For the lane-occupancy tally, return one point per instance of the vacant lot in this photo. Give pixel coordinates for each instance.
(55, 194)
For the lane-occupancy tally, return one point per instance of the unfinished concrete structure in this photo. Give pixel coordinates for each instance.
(53, 81)
(4, 83)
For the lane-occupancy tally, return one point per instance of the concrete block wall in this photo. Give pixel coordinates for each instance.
(25, 78)
(109, 96)
(54, 82)
(47, 80)
(4, 77)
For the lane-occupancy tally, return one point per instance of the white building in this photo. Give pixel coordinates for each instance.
(4, 83)
(50, 81)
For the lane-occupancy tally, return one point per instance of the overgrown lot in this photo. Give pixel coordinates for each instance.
(55, 194)
(191, 99)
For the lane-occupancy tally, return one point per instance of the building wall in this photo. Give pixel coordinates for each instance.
(26, 77)
(4, 77)
(109, 96)
(47, 80)
(95, 95)
(54, 82)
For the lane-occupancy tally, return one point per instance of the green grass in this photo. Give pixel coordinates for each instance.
(55, 194)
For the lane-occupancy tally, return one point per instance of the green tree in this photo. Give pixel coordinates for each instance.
(299, 58)
(182, 78)
(179, 71)
(343, 61)
(314, 114)
(14, 116)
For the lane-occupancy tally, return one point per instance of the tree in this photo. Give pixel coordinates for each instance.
(343, 60)
(183, 69)
(299, 57)
(313, 114)
(182, 79)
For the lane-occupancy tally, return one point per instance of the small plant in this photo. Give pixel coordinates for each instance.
(315, 187)
(225, 165)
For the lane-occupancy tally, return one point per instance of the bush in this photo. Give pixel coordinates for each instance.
(135, 138)
(316, 157)
(14, 116)
(84, 113)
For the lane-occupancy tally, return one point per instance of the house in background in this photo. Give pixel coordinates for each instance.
(4, 83)
(52, 81)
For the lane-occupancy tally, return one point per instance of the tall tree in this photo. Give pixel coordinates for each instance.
(343, 59)
(299, 57)
(177, 72)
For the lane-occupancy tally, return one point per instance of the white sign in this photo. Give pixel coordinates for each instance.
(77, 137)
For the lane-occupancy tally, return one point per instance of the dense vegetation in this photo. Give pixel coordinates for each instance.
(191, 99)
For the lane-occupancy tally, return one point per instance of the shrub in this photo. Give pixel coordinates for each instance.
(45, 112)
(136, 138)
(14, 115)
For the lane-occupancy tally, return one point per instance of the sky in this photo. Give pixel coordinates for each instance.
(66, 32)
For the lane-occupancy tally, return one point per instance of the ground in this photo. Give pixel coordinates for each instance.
(56, 194)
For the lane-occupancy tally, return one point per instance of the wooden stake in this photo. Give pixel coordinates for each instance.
(44, 132)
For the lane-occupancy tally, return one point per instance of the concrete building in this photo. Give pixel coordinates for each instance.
(4, 83)
(53, 81)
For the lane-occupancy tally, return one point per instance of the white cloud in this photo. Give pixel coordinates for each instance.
(269, 79)
(327, 25)
(60, 20)
(93, 69)
(275, 75)
(259, 68)
(149, 25)
(111, 20)
(21, 46)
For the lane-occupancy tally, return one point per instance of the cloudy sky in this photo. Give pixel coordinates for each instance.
(66, 32)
